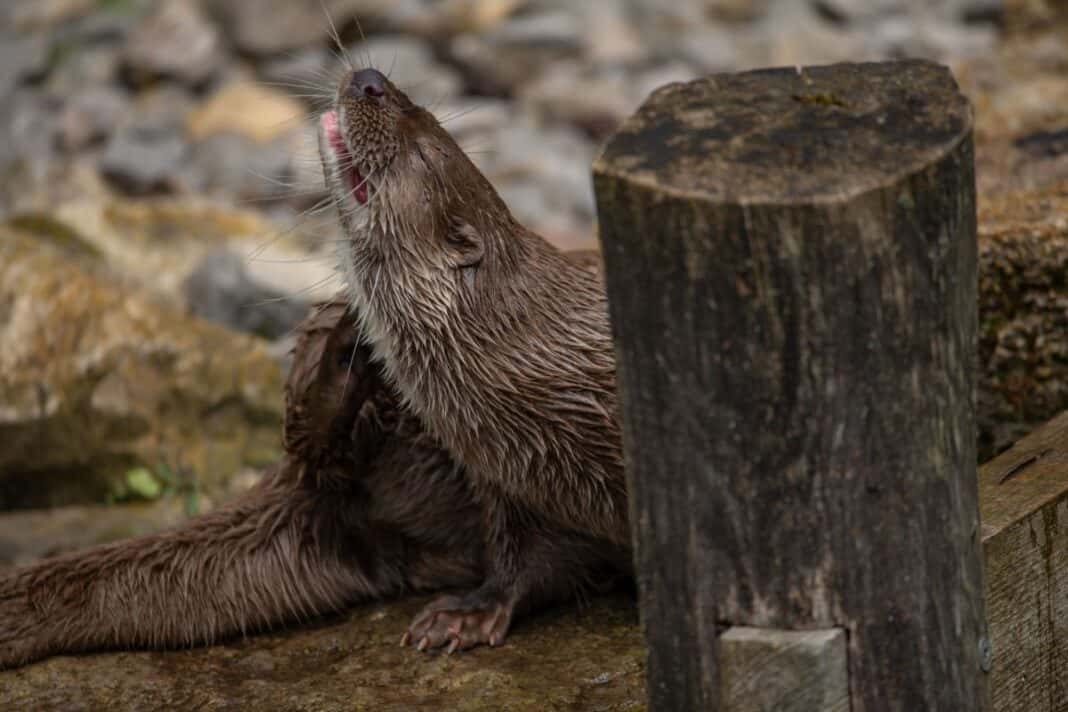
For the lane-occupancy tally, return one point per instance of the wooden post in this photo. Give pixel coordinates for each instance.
(791, 266)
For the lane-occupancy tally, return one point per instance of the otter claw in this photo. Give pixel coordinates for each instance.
(405, 639)
(453, 646)
(423, 644)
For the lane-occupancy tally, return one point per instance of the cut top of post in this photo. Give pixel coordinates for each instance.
(792, 135)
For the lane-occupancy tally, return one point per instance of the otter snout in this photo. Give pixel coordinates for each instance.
(366, 82)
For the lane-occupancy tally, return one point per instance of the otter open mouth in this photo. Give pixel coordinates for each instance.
(346, 165)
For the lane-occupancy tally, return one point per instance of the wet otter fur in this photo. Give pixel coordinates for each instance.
(495, 340)
(467, 440)
(364, 505)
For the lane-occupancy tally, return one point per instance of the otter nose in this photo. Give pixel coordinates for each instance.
(367, 82)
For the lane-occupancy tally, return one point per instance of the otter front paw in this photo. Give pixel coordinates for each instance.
(461, 622)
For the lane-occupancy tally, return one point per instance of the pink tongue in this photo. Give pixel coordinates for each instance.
(333, 133)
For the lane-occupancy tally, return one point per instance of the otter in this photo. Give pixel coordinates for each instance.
(364, 505)
(450, 423)
(495, 340)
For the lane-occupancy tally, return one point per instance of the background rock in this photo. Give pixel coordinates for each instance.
(96, 380)
(176, 40)
(1023, 346)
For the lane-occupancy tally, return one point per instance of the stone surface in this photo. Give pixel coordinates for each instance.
(95, 379)
(1023, 307)
(176, 40)
(20, 57)
(563, 659)
(271, 27)
(89, 116)
(28, 535)
(142, 160)
(221, 289)
(256, 112)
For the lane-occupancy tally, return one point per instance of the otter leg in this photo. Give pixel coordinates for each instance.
(278, 554)
(531, 564)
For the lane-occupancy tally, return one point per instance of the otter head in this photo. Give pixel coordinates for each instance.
(371, 122)
(419, 216)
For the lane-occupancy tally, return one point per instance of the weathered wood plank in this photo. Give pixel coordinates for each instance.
(791, 268)
(767, 670)
(1023, 501)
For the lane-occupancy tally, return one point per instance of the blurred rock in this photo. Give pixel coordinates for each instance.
(712, 49)
(247, 109)
(1023, 344)
(543, 175)
(222, 290)
(20, 58)
(562, 659)
(176, 40)
(28, 126)
(29, 15)
(518, 50)
(84, 68)
(96, 379)
(304, 74)
(34, 534)
(845, 11)
(232, 166)
(89, 116)
(270, 27)
(156, 243)
(736, 11)
(143, 159)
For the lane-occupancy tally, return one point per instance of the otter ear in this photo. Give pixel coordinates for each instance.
(465, 245)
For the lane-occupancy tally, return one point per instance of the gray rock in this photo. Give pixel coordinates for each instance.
(90, 115)
(305, 74)
(221, 289)
(712, 48)
(21, 58)
(544, 175)
(27, 130)
(234, 166)
(35, 15)
(505, 58)
(558, 30)
(851, 11)
(143, 159)
(177, 41)
(271, 27)
(85, 66)
(471, 118)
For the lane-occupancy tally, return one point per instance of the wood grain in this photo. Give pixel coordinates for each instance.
(767, 670)
(791, 271)
(1023, 499)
